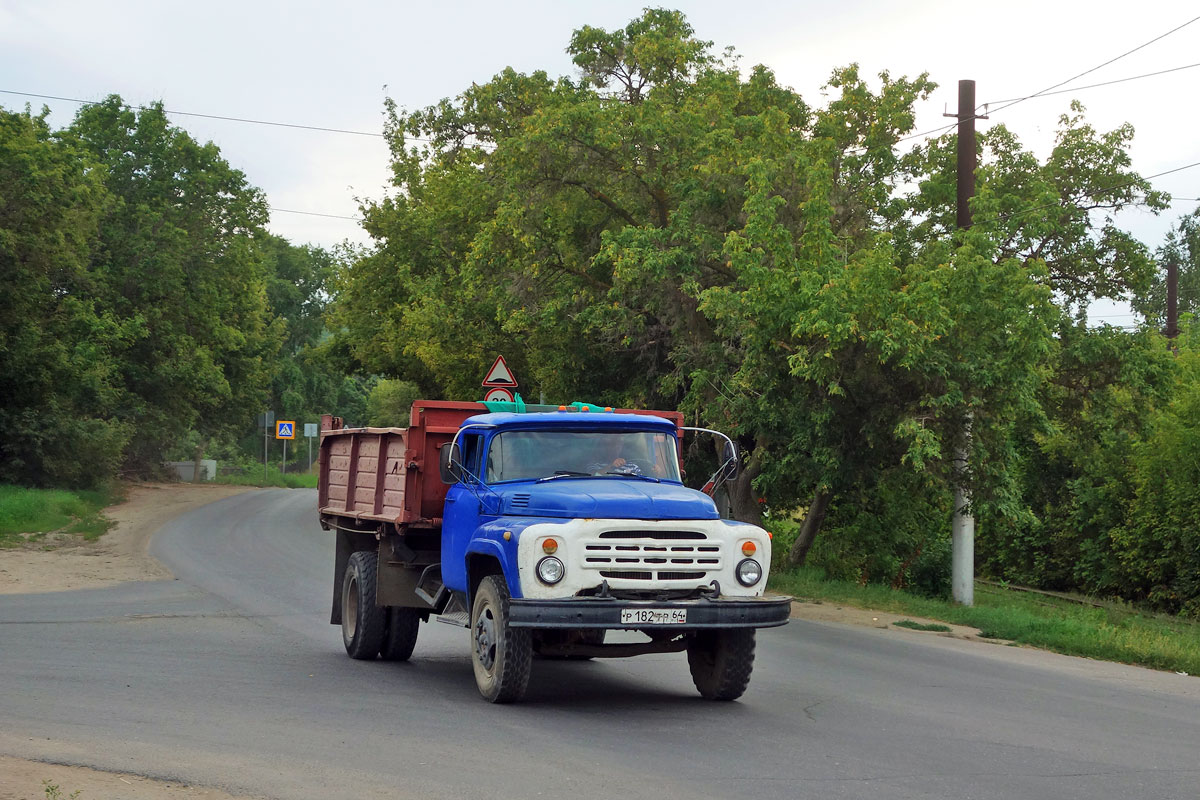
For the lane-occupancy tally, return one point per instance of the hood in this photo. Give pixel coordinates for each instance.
(606, 498)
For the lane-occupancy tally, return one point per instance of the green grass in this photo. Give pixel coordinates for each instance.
(254, 477)
(30, 514)
(1107, 631)
(922, 626)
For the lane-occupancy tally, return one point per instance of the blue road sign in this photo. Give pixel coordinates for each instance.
(285, 429)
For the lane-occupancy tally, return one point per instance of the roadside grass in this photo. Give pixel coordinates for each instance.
(32, 514)
(1084, 627)
(935, 627)
(254, 477)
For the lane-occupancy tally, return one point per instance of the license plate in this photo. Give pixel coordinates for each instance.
(653, 616)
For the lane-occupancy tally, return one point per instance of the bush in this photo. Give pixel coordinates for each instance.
(390, 403)
(895, 532)
(1159, 548)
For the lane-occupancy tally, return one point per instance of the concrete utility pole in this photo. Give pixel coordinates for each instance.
(962, 531)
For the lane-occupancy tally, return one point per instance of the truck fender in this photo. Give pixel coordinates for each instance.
(482, 553)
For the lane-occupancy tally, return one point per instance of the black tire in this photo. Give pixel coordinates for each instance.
(721, 662)
(400, 633)
(500, 654)
(362, 618)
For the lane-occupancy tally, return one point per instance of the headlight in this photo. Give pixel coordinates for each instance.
(749, 572)
(551, 570)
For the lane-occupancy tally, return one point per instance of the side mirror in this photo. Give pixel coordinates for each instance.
(450, 462)
(729, 457)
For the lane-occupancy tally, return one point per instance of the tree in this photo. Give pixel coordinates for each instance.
(1059, 212)
(1182, 248)
(60, 391)
(179, 266)
(668, 230)
(390, 403)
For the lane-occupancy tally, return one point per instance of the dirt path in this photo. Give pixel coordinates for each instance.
(34, 780)
(119, 555)
(885, 620)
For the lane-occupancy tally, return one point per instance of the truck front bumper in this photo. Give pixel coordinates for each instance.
(601, 612)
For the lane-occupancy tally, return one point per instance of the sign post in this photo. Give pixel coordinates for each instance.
(285, 429)
(499, 383)
(265, 420)
(310, 432)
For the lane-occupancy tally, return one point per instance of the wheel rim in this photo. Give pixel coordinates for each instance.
(350, 609)
(485, 638)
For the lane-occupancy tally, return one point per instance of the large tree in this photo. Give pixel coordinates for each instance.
(179, 264)
(59, 388)
(666, 229)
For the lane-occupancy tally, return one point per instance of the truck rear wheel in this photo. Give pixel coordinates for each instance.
(500, 654)
(721, 662)
(362, 618)
(400, 633)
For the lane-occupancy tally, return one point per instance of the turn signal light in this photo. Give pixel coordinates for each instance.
(549, 547)
(749, 548)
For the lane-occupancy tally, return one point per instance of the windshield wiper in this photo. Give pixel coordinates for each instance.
(564, 473)
(635, 475)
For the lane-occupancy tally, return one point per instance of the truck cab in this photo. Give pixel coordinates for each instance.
(564, 534)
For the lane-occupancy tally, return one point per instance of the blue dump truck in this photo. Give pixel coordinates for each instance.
(545, 531)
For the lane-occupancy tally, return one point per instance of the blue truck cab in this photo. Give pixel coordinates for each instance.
(564, 534)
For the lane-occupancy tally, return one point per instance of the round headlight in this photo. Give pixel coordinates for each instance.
(551, 570)
(749, 572)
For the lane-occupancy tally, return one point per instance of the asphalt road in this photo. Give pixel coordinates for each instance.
(232, 677)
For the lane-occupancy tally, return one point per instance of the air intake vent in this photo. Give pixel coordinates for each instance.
(520, 501)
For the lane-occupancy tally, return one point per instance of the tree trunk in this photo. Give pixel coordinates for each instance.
(196, 459)
(742, 500)
(810, 528)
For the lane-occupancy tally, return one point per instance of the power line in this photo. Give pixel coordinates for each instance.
(1105, 83)
(314, 214)
(213, 116)
(1093, 192)
(1048, 89)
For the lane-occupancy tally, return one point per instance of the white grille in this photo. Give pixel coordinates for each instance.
(652, 555)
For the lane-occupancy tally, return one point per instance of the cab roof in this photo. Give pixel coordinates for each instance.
(574, 420)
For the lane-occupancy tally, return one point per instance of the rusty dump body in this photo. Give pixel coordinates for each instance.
(376, 479)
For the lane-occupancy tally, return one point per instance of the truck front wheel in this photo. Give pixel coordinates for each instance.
(721, 662)
(500, 654)
(362, 618)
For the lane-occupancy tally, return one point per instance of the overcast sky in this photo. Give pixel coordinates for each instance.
(316, 64)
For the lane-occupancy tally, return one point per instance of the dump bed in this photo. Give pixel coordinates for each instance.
(374, 477)
(387, 475)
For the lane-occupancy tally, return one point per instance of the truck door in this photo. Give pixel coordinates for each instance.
(461, 517)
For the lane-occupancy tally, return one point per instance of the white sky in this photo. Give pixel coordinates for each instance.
(314, 64)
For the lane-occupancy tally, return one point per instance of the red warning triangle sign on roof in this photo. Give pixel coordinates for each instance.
(499, 374)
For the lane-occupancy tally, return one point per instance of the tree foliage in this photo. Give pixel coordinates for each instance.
(666, 229)
(60, 390)
(143, 306)
(177, 263)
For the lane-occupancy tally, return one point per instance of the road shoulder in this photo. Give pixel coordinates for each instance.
(118, 556)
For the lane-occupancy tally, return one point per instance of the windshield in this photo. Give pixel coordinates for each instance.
(528, 455)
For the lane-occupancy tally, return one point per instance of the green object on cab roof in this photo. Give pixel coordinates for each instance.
(519, 406)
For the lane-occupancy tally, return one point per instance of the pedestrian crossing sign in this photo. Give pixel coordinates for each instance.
(285, 429)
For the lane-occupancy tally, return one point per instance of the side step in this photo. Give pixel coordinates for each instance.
(456, 612)
(430, 587)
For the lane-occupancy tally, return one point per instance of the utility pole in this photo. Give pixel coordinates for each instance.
(962, 530)
(1172, 329)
